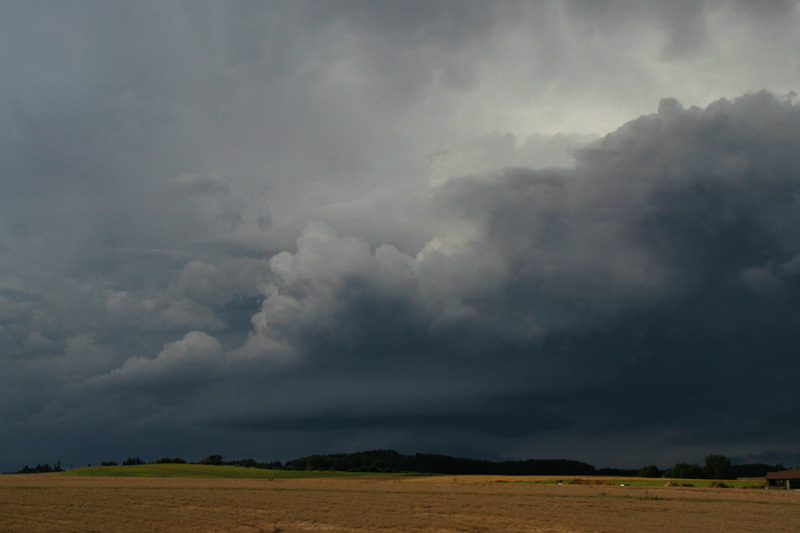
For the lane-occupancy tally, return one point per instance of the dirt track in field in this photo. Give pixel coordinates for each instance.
(46, 502)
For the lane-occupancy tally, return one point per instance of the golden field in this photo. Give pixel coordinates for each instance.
(51, 502)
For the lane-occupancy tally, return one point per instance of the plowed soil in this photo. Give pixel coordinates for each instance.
(46, 502)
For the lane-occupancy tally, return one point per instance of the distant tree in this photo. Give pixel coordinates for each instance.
(38, 469)
(685, 471)
(133, 461)
(755, 469)
(617, 472)
(108, 463)
(170, 460)
(650, 471)
(212, 460)
(249, 463)
(718, 467)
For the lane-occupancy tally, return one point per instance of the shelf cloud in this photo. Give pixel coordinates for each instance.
(500, 230)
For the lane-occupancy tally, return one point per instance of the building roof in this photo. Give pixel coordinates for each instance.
(784, 474)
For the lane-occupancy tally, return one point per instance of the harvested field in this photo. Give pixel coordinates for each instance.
(48, 502)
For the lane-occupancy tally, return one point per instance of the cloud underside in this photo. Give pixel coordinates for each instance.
(646, 287)
(286, 230)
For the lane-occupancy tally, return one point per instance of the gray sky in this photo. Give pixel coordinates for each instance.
(492, 229)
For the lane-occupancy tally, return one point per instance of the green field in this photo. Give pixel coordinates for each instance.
(240, 472)
(204, 471)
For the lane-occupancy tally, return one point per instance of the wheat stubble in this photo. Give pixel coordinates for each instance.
(58, 503)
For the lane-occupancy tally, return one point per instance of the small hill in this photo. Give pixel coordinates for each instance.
(391, 461)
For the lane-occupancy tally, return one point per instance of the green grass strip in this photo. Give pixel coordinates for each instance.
(205, 471)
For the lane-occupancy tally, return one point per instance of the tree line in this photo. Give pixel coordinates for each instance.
(41, 469)
(716, 466)
(390, 461)
(210, 460)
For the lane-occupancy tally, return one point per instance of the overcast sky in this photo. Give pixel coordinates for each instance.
(502, 230)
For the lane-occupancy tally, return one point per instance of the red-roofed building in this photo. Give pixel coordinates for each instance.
(785, 479)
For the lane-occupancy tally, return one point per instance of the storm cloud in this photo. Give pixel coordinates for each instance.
(502, 230)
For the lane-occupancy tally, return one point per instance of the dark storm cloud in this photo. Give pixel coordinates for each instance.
(496, 424)
(284, 218)
(638, 274)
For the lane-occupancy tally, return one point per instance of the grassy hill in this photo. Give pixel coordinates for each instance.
(202, 471)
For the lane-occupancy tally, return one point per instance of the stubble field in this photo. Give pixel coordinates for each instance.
(48, 502)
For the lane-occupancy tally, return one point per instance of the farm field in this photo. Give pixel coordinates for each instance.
(53, 502)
